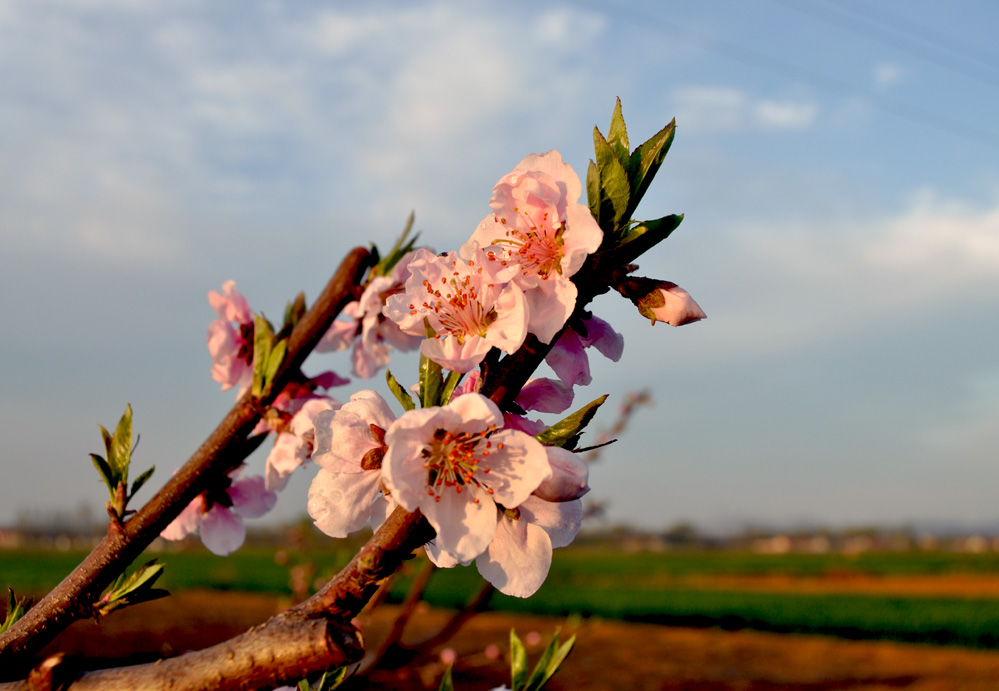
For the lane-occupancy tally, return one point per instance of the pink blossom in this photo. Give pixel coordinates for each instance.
(545, 396)
(292, 398)
(539, 227)
(220, 521)
(230, 338)
(469, 309)
(661, 301)
(455, 464)
(377, 334)
(350, 445)
(568, 356)
(293, 448)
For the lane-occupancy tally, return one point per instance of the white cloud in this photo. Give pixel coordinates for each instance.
(729, 109)
(887, 73)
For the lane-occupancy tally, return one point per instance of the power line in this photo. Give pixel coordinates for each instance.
(883, 31)
(783, 68)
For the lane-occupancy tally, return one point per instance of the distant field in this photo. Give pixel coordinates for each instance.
(655, 588)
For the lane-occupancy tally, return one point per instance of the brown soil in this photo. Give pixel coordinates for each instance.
(608, 654)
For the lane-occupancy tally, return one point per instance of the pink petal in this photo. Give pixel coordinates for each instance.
(545, 396)
(187, 521)
(287, 454)
(222, 531)
(603, 337)
(250, 497)
(569, 478)
(549, 306)
(568, 360)
(338, 337)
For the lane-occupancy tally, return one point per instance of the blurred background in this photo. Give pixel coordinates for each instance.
(836, 162)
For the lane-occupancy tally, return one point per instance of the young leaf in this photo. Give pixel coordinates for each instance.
(566, 432)
(121, 445)
(332, 679)
(401, 247)
(617, 137)
(518, 663)
(453, 379)
(651, 232)
(446, 683)
(400, 393)
(549, 662)
(293, 313)
(274, 360)
(615, 190)
(140, 481)
(303, 685)
(431, 379)
(106, 438)
(263, 341)
(593, 190)
(107, 474)
(646, 160)
(15, 610)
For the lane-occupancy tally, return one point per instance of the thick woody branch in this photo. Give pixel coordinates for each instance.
(223, 451)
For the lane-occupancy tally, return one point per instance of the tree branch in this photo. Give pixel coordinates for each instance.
(223, 451)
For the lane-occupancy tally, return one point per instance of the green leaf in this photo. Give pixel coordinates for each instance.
(615, 190)
(431, 379)
(446, 683)
(145, 574)
(263, 341)
(518, 663)
(593, 190)
(566, 432)
(121, 445)
(133, 588)
(293, 313)
(107, 474)
(549, 662)
(617, 137)
(106, 437)
(646, 160)
(332, 679)
(400, 393)
(15, 610)
(651, 232)
(453, 379)
(140, 481)
(303, 685)
(274, 360)
(401, 247)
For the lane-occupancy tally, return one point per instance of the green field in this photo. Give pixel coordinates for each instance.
(633, 587)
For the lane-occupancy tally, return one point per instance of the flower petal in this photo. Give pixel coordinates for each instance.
(464, 526)
(340, 503)
(561, 520)
(518, 559)
(569, 478)
(516, 465)
(222, 531)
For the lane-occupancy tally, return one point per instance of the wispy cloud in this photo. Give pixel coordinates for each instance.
(719, 109)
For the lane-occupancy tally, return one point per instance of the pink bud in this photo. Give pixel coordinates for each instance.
(661, 301)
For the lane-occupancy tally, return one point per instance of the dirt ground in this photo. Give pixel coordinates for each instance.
(608, 654)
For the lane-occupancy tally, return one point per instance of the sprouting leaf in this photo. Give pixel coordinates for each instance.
(332, 679)
(399, 250)
(617, 137)
(121, 445)
(274, 360)
(453, 379)
(400, 393)
(549, 662)
(15, 609)
(132, 589)
(593, 189)
(140, 481)
(567, 431)
(293, 313)
(615, 190)
(446, 682)
(107, 474)
(646, 160)
(651, 232)
(518, 663)
(263, 341)
(431, 377)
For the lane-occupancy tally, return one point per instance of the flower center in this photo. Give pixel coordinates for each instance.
(538, 250)
(459, 307)
(453, 459)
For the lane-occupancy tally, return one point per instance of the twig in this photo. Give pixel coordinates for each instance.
(224, 450)
(416, 589)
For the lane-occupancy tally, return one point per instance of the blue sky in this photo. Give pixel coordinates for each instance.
(837, 162)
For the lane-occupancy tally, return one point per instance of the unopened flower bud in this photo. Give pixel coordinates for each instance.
(661, 301)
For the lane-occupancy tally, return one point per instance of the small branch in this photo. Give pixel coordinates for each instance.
(224, 450)
(476, 604)
(416, 589)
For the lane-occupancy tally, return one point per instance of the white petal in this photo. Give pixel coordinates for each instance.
(516, 470)
(560, 520)
(569, 478)
(464, 527)
(340, 503)
(518, 559)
